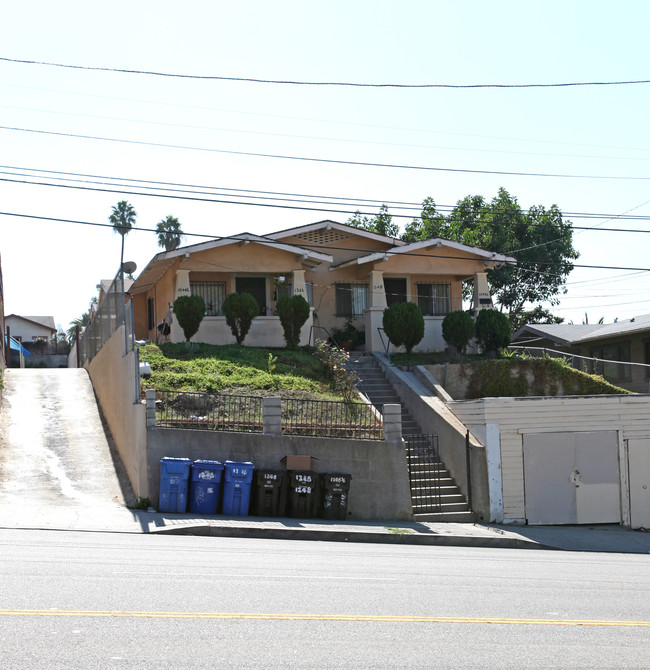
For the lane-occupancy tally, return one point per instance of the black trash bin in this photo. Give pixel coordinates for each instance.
(269, 490)
(334, 503)
(304, 489)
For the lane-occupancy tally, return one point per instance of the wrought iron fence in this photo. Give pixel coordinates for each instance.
(314, 418)
(209, 411)
(424, 472)
(324, 418)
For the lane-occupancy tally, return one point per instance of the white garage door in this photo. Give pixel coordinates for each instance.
(572, 478)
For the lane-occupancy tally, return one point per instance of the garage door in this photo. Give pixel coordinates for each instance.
(572, 478)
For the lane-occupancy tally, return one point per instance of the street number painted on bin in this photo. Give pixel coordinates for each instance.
(303, 478)
(303, 489)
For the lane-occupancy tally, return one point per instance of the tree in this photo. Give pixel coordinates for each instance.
(458, 329)
(123, 219)
(540, 240)
(169, 233)
(382, 224)
(404, 324)
(492, 330)
(189, 311)
(293, 312)
(538, 314)
(240, 309)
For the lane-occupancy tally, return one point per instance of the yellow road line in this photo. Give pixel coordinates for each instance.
(317, 617)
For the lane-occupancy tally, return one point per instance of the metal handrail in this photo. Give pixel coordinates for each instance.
(386, 345)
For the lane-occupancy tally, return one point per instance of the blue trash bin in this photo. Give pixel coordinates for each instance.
(174, 480)
(237, 487)
(205, 484)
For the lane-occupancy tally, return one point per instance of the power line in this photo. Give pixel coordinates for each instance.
(332, 161)
(389, 252)
(321, 83)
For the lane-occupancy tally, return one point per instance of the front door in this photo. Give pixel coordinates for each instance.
(256, 286)
(395, 290)
(572, 478)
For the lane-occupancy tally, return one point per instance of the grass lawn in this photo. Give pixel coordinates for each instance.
(235, 369)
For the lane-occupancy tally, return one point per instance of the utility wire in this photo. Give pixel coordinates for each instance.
(238, 238)
(298, 197)
(321, 83)
(395, 166)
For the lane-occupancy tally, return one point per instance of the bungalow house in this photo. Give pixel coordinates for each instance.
(614, 344)
(346, 274)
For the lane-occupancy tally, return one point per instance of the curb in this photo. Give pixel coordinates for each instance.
(208, 530)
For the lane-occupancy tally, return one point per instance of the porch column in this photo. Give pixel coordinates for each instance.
(374, 314)
(482, 298)
(182, 288)
(300, 288)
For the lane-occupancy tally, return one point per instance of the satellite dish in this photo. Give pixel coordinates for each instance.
(129, 267)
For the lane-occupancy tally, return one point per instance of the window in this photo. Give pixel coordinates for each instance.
(433, 299)
(613, 352)
(351, 299)
(151, 316)
(213, 294)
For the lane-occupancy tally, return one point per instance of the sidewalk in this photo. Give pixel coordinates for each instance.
(116, 518)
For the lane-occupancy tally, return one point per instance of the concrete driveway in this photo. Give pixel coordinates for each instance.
(57, 468)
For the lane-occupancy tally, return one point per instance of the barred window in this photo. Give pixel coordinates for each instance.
(433, 299)
(213, 294)
(351, 299)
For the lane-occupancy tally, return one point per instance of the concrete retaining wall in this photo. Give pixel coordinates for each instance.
(379, 487)
(112, 373)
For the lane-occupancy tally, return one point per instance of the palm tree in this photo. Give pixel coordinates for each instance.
(169, 232)
(123, 219)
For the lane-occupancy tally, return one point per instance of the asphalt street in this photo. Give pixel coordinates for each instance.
(84, 600)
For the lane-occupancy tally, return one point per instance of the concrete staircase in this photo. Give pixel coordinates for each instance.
(434, 493)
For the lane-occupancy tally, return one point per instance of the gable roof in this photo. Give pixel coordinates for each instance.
(160, 263)
(569, 333)
(426, 244)
(333, 227)
(43, 321)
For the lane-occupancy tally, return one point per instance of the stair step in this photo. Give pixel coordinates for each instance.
(445, 517)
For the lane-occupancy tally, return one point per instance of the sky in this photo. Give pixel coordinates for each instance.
(76, 140)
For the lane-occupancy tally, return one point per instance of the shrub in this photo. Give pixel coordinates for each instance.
(293, 312)
(404, 324)
(240, 310)
(336, 365)
(492, 330)
(189, 310)
(458, 329)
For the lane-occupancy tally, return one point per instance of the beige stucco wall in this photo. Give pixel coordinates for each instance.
(112, 373)
(513, 418)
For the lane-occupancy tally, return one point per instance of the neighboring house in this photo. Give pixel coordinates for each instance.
(26, 329)
(625, 341)
(344, 273)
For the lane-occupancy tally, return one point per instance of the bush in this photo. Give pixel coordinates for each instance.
(404, 324)
(337, 370)
(189, 310)
(492, 330)
(458, 329)
(293, 313)
(240, 310)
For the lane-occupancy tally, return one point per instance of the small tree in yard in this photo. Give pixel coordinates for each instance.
(189, 310)
(293, 312)
(240, 310)
(492, 330)
(458, 329)
(404, 324)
